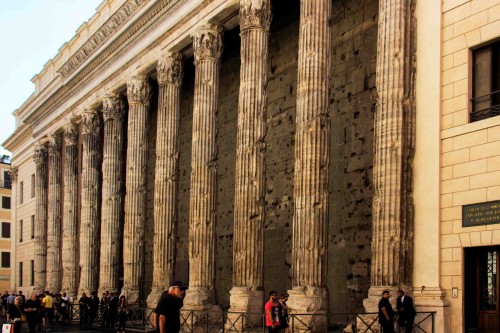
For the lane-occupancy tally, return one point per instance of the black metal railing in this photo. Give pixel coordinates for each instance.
(141, 318)
(485, 106)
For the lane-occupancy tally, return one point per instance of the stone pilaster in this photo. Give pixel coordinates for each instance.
(170, 72)
(90, 226)
(54, 215)
(394, 135)
(310, 222)
(248, 247)
(138, 94)
(207, 45)
(112, 194)
(41, 175)
(70, 260)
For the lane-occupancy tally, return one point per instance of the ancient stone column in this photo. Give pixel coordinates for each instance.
(40, 249)
(138, 94)
(70, 212)
(112, 194)
(54, 214)
(394, 136)
(207, 45)
(170, 72)
(248, 247)
(312, 139)
(91, 186)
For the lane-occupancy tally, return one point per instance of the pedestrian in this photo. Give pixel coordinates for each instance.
(406, 311)
(122, 314)
(386, 313)
(104, 308)
(93, 307)
(283, 313)
(32, 310)
(48, 306)
(20, 293)
(4, 302)
(17, 315)
(166, 316)
(64, 308)
(112, 310)
(10, 301)
(272, 313)
(83, 302)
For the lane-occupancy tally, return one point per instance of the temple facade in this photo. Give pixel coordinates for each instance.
(324, 148)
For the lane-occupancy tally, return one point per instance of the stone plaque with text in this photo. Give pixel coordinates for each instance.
(481, 213)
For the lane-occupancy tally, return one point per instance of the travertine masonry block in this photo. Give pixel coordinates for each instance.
(494, 134)
(447, 90)
(471, 23)
(455, 44)
(455, 185)
(470, 168)
(446, 121)
(490, 31)
(470, 139)
(456, 73)
(475, 238)
(456, 14)
(486, 237)
(473, 37)
(494, 13)
(450, 4)
(485, 179)
(493, 193)
(447, 64)
(457, 279)
(446, 227)
(460, 87)
(485, 150)
(465, 239)
(454, 104)
(495, 237)
(447, 172)
(446, 145)
(457, 253)
(447, 281)
(455, 157)
(460, 118)
(446, 200)
(469, 197)
(448, 33)
(451, 268)
(479, 5)
(447, 254)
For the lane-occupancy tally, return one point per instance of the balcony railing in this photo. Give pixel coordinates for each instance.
(141, 318)
(485, 106)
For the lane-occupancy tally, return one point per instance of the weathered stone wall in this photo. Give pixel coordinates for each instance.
(353, 98)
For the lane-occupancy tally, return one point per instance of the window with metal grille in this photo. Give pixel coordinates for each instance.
(485, 101)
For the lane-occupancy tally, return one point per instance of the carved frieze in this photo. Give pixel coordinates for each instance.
(90, 121)
(255, 14)
(40, 153)
(170, 69)
(138, 90)
(113, 107)
(70, 134)
(207, 42)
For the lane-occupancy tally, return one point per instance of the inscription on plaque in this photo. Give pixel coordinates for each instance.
(481, 213)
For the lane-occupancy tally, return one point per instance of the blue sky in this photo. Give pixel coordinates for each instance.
(31, 33)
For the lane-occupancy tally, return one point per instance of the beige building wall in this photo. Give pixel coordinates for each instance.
(5, 242)
(470, 152)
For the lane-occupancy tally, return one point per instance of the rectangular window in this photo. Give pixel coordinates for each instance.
(20, 274)
(21, 192)
(5, 259)
(485, 101)
(6, 202)
(32, 185)
(32, 226)
(32, 276)
(7, 181)
(5, 229)
(21, 231)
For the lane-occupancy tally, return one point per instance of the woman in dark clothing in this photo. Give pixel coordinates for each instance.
(122, 314)
(16, 312)
(32, 309)
(84, 309)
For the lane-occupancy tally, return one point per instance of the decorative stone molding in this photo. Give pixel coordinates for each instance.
(170, 69)
(90, 121)
(113, 107)
(138, 91)
(115, 22)
(40, 153)
(207, 42)
(13, 173)
(70, 134)
(255, 14)
(54, 144)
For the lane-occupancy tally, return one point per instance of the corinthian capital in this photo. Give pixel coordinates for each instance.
(90, 121)
(207, 42)
(54, 144)
(13, 173)
(170, 69)
(70, 134)
(113, 107)
(138, 90)
(40, 153)
(255, 14)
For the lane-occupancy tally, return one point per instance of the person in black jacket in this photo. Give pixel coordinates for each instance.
(32, 310)
(406, 311)
(16, 312)
(93, 307)
(386, 313)
(166, 315)
(84, 309)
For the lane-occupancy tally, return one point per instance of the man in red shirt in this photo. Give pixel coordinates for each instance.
(271, 310)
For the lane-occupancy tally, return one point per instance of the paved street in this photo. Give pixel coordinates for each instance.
(65, 328)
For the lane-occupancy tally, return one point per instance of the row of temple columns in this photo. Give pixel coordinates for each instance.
(97, 242)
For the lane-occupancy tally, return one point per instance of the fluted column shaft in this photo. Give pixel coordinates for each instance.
(248, 245)
(170, 72)
(138, 94)
(207, 45)
(392, 241)
(112, 194)
(40, 157)
(54, 215)
(70, 213)
(90, 226)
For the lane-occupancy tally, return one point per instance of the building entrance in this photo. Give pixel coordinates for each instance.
(481, 295)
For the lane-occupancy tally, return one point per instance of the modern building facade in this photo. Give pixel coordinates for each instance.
(328, 149)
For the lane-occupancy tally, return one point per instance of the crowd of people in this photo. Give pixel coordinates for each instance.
(42, 310)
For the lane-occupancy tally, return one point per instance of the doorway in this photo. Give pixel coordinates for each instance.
(481, 294)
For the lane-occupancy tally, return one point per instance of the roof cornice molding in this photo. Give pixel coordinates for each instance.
(19, 136)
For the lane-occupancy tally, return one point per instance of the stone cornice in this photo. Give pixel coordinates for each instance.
(116, 21)
(20, 135)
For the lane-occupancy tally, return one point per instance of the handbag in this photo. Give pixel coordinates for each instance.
(23, 316)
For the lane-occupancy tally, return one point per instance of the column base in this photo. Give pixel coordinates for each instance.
(154, 295)
(198, 309)
(428, 299)
(244, 301)
(309, 305)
